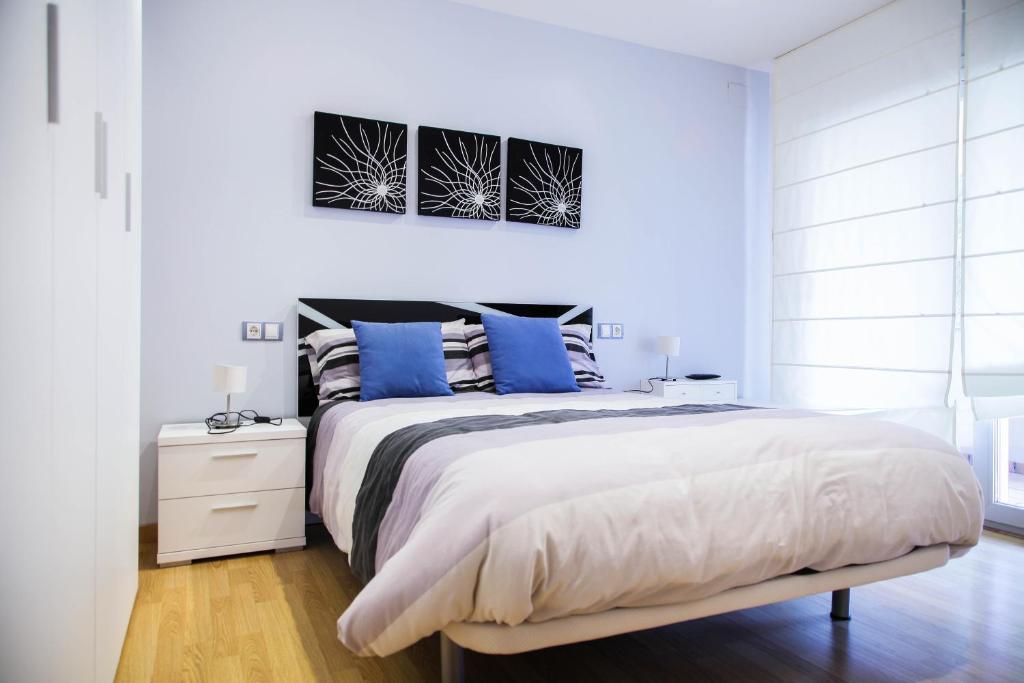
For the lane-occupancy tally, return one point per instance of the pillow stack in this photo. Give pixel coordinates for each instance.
(577, 345)
(334, 359)
(400, 360)
(528, 355)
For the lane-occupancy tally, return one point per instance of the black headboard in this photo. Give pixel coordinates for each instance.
(319, 314)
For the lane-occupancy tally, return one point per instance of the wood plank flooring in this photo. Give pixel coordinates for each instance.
(267, 617)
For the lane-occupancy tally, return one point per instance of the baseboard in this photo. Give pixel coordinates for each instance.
(1005, 529)
(147, 533)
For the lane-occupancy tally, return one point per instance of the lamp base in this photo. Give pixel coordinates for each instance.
(230, 422)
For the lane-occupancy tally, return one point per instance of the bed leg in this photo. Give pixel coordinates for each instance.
(841, 605)
(452, 661)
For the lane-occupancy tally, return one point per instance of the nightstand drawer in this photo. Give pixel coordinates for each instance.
(696, 391)
(712, 393)
(687, 391)
(230, 467)
(212, 521)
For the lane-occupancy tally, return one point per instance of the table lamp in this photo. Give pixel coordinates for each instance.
(668, 346)
(229, 379)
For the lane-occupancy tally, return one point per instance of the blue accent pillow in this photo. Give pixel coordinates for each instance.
(528, 355)
(400, 360)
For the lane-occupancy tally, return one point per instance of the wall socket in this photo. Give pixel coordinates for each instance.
(610, 330)
(253, 330)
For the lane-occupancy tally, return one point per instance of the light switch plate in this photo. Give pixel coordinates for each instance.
(271, 331)
(252, 331)
(610, 330)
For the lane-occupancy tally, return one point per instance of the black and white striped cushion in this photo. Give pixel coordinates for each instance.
(457, 365)
(334, 361)
(480, 355)
(577, 345)
(581, 356)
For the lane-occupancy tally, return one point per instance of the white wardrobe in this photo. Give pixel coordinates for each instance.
(69, 344)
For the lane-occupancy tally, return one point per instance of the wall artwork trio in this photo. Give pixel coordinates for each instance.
(361, 164)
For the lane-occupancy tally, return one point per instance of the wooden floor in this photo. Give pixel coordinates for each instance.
(272, 618)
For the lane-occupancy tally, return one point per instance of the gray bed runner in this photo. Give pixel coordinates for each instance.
(389, 457)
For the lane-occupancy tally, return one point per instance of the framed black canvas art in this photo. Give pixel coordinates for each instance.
(544, 184)
(459, 174)
(359, 163)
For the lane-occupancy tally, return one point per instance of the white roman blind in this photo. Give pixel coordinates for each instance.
(865, 125)
(993, 287)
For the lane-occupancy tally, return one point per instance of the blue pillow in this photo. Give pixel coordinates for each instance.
(398, 360)
(528, 355)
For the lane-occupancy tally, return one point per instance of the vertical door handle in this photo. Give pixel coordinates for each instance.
(100, 184)
(127, 202)
(52, 66)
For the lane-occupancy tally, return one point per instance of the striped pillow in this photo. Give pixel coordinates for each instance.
(457, 365)
(337, 363)
(334, 361)
(581, 356)
(480, 355)
(577, 345)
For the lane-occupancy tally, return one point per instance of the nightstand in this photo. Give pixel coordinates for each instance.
(697, 391)
(222, 494)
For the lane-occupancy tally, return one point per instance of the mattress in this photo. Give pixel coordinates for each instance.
(532, 507)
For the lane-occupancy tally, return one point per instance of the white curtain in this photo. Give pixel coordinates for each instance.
(993, 285)
(866, 141)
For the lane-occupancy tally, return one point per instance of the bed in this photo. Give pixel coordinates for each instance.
(518, 522)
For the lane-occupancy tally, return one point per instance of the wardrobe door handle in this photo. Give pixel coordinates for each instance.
(233, 506)
(52, 64)
(127, 202)
(100, 184)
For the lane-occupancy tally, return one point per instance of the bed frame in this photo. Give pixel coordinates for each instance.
(499, 639)
(503, 640)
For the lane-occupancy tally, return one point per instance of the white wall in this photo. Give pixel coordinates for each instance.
(229, 94)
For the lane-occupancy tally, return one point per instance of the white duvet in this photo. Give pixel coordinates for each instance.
(557, 513)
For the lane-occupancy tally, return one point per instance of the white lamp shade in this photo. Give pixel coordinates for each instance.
(229, 379)
(668, 346)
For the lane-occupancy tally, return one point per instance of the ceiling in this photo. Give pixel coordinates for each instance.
(748, 33)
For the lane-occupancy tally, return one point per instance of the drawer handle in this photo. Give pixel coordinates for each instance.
(233, 506)
(235, 454)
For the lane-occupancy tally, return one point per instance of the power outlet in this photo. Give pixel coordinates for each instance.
(252, 331)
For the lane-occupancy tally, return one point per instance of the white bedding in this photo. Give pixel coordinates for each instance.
(556, 513)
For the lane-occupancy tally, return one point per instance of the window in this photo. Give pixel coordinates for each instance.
(1008, 447)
